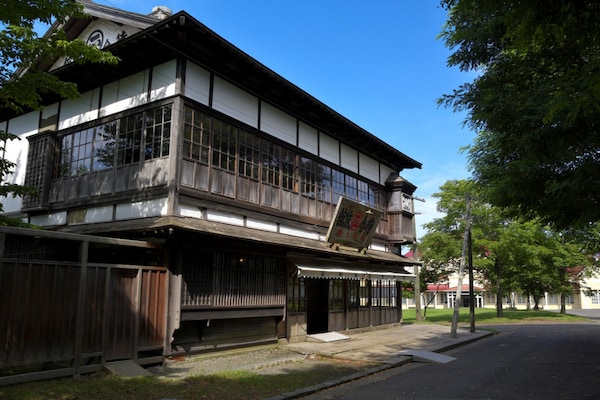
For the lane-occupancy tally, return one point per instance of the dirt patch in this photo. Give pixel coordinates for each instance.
(264, 361)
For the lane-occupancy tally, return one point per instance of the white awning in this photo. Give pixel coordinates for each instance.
(327, 268)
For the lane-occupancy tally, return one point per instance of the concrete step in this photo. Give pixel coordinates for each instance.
(126, 368)
(426, 356)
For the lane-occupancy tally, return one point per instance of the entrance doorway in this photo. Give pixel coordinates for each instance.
(317, 305)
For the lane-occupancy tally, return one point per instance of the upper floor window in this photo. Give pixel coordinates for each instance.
(308, 176)
(76, 153)
(324, 183)
(129, 139)
(288, 170)
(115, 143)
(337, 185)
(104, 146)
(366, 193)
(211, 141)
(249, 155)
(158, 133)
(351, 187)
(224, 145)
(196, 135)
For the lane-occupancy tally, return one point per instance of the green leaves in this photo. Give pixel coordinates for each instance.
(23, 80)
(22, 51)
(535, 105)
(526, 255)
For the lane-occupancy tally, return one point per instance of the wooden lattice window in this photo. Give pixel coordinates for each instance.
(231, 279)
(196, 135)
(38, 173)
(296, 295)
(158, 132)
(249, 162)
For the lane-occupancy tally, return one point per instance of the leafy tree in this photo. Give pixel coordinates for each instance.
(486, 226)
(543, 261)
(23, 54)
(535, 103)
(509, 254)
(439, 264)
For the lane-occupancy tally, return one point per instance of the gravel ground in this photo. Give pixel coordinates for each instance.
(262, 360)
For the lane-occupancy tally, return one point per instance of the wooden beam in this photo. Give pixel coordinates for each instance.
(76, 237)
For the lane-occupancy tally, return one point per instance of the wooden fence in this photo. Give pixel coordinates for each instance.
(70, 303)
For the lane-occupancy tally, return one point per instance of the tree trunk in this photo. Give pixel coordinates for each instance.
(499, 294)
(563, 296)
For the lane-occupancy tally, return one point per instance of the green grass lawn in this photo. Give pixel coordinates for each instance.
(230, 385)
(487, 316)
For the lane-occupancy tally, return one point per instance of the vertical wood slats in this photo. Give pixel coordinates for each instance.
(218, 279)
(43, 315)
(71, 313)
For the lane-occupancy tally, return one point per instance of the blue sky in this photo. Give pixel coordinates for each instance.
(377, 62)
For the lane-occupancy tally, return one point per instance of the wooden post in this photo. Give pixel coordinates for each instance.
(83, 258)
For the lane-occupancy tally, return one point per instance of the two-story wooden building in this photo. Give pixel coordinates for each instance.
(237, 172)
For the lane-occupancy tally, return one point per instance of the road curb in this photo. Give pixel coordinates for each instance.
(386, 365)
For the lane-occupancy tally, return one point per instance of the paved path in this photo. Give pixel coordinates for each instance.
(382, 345)
(591, 314)
(524, 361)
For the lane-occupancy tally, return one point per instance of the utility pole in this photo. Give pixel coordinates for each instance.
(461, 270)
(417, 291)
(471, 284)
(417, 287)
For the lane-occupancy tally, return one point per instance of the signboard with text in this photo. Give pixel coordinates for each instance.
(353, 224)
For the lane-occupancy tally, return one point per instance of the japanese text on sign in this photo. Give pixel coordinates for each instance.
(353, 224)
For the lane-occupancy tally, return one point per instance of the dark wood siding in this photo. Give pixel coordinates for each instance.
(60, 309)
(215, 279)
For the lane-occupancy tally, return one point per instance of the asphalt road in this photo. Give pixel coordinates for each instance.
(542, 361)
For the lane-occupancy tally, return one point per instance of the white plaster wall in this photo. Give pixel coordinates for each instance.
(16, 151)
(197, 83)
(99, 214)
(52, 219)
(226, 218)
(349, 158)
(189, 211)
(48, 112)
(235, 102)
(329, 148)
(308, 138)
(261, 225)
(101, 33)
(298, 233)
(125, 93)
(368, 167)
(277, 123)
(163, 80)
(378, 247)
(385, 173)
(82, 109)
(142, 209)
